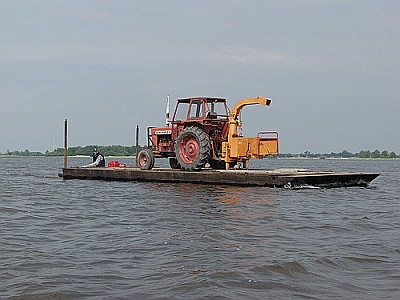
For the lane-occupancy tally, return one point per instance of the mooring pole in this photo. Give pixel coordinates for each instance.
(137, 144)
(65, 143)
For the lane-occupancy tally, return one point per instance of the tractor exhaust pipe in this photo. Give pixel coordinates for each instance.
(167, 120)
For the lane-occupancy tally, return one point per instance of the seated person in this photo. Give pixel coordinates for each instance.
(98, 160)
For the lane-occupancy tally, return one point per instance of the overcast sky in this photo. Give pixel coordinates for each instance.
(331, 68)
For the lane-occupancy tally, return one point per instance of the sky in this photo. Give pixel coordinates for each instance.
(331, 68)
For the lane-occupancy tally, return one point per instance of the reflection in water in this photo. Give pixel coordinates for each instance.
(230, 195)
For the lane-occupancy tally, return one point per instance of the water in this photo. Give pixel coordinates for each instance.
(128, 240)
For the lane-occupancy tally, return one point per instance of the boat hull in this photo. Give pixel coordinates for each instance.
(268, 178)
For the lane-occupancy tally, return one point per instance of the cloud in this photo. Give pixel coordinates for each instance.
(252, 55)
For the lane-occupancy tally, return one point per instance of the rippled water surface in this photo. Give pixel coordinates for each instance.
(79, 239)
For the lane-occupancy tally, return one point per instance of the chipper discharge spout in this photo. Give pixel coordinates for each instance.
(234, 122)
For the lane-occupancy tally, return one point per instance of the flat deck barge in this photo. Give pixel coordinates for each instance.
(279, 178)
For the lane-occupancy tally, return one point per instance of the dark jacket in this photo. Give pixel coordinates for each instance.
(102, 162)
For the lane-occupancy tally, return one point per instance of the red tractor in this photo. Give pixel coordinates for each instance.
(204, 131)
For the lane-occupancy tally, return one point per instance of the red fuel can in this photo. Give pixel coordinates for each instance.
(113, 164)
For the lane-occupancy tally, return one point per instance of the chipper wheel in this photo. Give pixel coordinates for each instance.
(146, 159)
(192, 148)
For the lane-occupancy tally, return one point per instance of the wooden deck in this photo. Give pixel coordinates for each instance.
(289, 178)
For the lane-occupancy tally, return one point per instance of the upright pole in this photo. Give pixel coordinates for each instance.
(137, 144)
(65, 143)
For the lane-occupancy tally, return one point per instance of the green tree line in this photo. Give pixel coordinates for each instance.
(344, 154)
(115, 150)
(377, 154)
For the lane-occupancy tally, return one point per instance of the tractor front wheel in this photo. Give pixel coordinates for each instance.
(146, 159)
(192, 148)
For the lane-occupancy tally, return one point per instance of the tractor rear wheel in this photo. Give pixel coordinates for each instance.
(146, 159)
(192, 148)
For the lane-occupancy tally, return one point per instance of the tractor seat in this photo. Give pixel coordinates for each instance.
(212, 115)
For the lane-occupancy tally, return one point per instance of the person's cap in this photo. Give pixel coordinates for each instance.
(95, 150)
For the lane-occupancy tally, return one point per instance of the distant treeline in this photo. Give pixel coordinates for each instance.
(131, 151)
(115, 150)
(344, 154)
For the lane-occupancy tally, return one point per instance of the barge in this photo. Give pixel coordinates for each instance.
(279, 178)
(205, 132)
